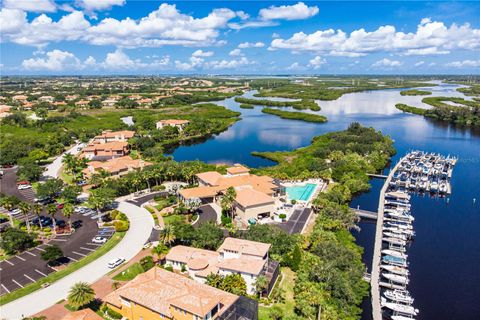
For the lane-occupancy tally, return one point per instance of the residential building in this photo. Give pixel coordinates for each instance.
(179, 124)
(105, 151)
(84, 314)
(19, 97)
(116, 166)
(255, 194)
(249, 259)
(111, 136)
(160, 294)
(46, 99)
(5, 111)
(109, 102)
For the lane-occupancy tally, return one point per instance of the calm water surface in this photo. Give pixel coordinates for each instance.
(445, 256)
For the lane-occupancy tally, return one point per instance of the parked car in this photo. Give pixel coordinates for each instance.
(23, 186)
(99, 240)
(15, 212)
(44, 201)
(60, 223)
(3, 220)
(116, 262)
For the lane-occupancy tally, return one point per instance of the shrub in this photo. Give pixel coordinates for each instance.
(282, 216)
(168, 268)
(112, 313)
(158, 188)
(121, 226)
(114, 214)
(293, 201)
(147, 263)
(226, 220)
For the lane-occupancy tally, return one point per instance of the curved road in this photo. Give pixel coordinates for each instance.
(53, 169)
(141, 224)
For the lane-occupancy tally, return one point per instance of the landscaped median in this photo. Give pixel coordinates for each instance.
(112, 242)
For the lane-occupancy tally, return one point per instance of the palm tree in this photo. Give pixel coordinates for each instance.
(167, 235)
(80, 294)
(52, 211)
(8, 204)
(228, 199)
(25, 208)
(67, 212)
(159, 250)
(37, 210)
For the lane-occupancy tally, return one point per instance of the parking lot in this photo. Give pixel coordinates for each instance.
(27, 267)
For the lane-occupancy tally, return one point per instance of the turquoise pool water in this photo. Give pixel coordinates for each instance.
(301, 193)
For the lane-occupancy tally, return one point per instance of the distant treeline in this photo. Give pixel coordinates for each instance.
(299, 105)
(293, 115)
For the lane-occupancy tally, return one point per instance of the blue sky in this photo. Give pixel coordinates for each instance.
(239, 37)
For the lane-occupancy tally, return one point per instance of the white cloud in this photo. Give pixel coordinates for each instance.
(228, 64)
(464, 63)
(30, 5)
(430, 38)
(164, 26)
(298, 11)
(419, 63)
(386, 63)
(295, 67)
(201, 53)
(99, 5)
(245, 45)
(242, 15)
(317, 62)
(235, 52)
(275, 35)
(90, 61)
(55, 60)
(12, 20)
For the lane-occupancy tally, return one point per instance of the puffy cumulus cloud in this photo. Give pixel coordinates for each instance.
(55, 60)
(42, 30)
(386, 63)
(245, 45)
(164, 26)
(419, 63)
(268, 17)
(296, 67)
(12, 21)
(297, 11)
(99, 5)
(201, 53)
(228, 64)
(29, 5)
(317, 62)
(235, 52)
(464, 63)
(431, 37)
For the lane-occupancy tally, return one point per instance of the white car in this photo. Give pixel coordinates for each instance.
(116, 262)
(99, 240)
(15, 212)
(24, 186)
(79, 209)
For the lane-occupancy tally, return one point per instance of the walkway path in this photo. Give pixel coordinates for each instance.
(141, 224)
(53, 169)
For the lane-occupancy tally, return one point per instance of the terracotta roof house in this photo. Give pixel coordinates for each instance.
(179, 124)
(255, 194)
(249, 259)
(5, 111)
(19, 97)
(105, 151)
(110, 136)
(85, 314)
(116, 166)
(160, 294)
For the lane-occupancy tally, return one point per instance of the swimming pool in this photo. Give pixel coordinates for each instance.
(301, 193)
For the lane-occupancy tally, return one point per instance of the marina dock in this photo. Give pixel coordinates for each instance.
(374, 175)
(365, 214)
(375, 278)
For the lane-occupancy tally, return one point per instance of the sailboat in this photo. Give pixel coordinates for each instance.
(396, 295)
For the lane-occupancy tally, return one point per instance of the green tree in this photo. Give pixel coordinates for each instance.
(70, 193)
(51, 188)
(25, 208)
(100, 198)
(14, 240)
(80, 294)
(67, 212)
(167, 235)
(37, 211)
(52, 211)
(29, 170)
(276, 313)
(9, 202)
(261, 284)
(234, 283)
(208, 236)
(52, 253)
(159, 250)
(228, 199)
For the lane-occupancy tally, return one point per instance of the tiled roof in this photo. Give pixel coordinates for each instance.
(85, 314)
(115, 145)
(158, 289)
(237, 169)
(116, 164)
(127, 134)
(248, 197)
(210, 177)
(245, 265)
(253, 248)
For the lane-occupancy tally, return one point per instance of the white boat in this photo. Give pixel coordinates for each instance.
(443, 187)
(395, 269)
(395, 235)
(398, 225)
(396, 278)
(400, 216)
(434, 186)
(402, 308)
(396, 241)
(396, 295)
(394, 253)
(397, 317)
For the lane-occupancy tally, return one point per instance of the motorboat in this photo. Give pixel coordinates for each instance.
(395, 241)
(400, 216)
(402, 308)
(397, 295)
(398, 317)
(399, 225)
(396, 278)
(443, 188)
(394, 269)
(395, 235)
(434, 186)
(394, 253)
(396, 261)
(406, 232)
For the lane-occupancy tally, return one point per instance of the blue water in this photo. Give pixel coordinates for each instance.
(445, 256)
(302, 193)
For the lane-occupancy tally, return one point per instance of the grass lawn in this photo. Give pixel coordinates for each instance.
(286, 284)
(129, 273)
(173, 218)
(51, 278)
(68, 178)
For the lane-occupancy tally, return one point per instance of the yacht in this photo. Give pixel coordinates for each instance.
(398, 317)
(402, 308)
(396, 295)
(395, 261)
(394, 269)
(434, 186)
(395, 241)
(394, 253)
(395, 235)
(396, 278)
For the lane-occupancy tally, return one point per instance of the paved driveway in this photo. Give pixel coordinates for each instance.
(296, 222)
(53, 169)
(141, 224)
(208, 214)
